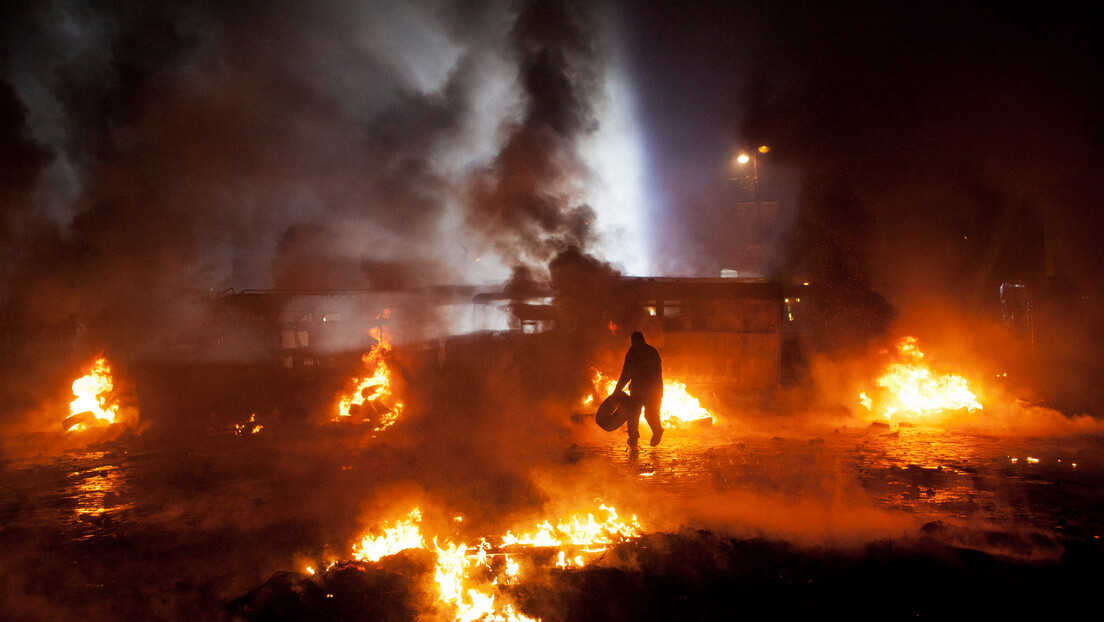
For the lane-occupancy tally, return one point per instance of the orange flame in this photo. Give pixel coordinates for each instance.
(374, 389)
(461, 572)
(911, 387)
(678, 409)
(93, 393)
(578, 531)
(405, 534)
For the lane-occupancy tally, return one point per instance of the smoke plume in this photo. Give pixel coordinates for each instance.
(534, 185)
(160, 153)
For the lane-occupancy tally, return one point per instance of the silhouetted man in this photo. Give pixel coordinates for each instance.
(643, 372)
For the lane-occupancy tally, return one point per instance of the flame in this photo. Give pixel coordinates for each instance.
(678, 409)
(679, 406)
(93, 393)
(578, 531)
(468, 582)
(374, 389)
(513, 570)
(405, 534)
(910, 386)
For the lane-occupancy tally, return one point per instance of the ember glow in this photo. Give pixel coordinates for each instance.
(468, 578)
(678, 409)
(249, 427)
(910, 389)
(373, 390)
(94, 403)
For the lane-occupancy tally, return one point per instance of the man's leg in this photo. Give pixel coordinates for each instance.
(633, 423)
(651, 415)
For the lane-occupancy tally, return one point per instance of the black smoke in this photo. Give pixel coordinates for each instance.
(157, 154)
(533, 186)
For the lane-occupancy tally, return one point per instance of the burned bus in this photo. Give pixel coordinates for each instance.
(712, 331)
(261, 351)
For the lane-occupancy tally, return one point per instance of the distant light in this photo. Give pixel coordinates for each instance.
(764, 149)
(743, 158)
(619, 193)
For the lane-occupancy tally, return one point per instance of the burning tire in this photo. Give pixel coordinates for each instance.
(87, 418)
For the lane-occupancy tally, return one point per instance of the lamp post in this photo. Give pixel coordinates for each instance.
(743, 158)
(756, 223)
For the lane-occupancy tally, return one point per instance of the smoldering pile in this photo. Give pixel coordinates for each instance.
(699, 575)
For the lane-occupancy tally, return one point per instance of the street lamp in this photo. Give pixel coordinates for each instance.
(743, 158)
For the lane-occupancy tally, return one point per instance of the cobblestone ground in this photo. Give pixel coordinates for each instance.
(122, 530)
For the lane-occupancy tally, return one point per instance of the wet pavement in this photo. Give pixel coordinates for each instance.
(1050, 484)
(163, 532)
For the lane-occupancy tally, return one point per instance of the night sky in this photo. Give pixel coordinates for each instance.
(922, 152)
(931, 140)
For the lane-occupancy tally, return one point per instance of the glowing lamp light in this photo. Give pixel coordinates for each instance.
(743, 158)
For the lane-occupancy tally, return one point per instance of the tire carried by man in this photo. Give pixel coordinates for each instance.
(614, 411)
